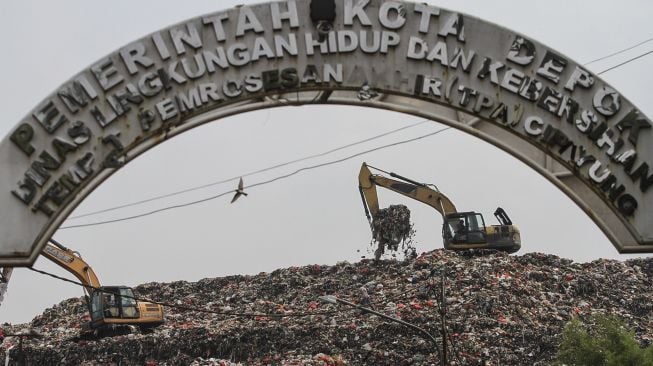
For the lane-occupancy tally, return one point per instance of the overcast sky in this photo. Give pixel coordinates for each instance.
(315, 216)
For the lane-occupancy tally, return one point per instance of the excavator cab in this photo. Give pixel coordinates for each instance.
(117, 306)
(113, 303)
(467, 230)
(465, 227)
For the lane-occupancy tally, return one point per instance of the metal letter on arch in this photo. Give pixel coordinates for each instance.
(490, 82)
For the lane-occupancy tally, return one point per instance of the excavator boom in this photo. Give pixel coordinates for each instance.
(72, 262)
(367, 183)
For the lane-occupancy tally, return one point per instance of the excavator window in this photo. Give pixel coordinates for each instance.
(111, 306)
(96, 306)
(457, 227)
(476, 228)
(128, 303)
(476, 222)
(114, 303)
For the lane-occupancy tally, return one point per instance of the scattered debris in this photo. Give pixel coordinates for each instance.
(501, 310)
(390, 227)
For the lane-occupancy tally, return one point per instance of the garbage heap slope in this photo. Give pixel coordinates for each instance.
(500, 309)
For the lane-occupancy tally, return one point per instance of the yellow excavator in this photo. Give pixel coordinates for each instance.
(460, 230)
(109, 306)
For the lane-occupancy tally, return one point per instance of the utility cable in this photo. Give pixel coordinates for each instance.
(256, 184)
(184, 307)
(347, 158)
(149, 213)
(618, 52)
(625, 62)
(191, 189)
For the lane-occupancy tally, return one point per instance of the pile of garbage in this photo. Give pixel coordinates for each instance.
(499, 310)
(390, 227)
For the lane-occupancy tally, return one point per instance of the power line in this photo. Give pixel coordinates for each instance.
(625, 62)
(618, 52)
(148, 213)
(347, 158)
(247, 174)
(255, 184)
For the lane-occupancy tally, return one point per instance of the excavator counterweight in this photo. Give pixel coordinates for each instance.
(460, 230)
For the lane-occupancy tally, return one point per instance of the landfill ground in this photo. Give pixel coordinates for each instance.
(500, 310)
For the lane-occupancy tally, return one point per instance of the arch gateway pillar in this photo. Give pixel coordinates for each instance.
(493, 83)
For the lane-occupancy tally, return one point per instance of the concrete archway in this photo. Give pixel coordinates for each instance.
(490, 82)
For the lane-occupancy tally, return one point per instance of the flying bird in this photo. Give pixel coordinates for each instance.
(239, 191)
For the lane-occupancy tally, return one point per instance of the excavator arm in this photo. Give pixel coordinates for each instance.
(72, 262)
(367, 183)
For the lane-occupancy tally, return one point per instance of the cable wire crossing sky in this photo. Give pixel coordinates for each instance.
(557, 118)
